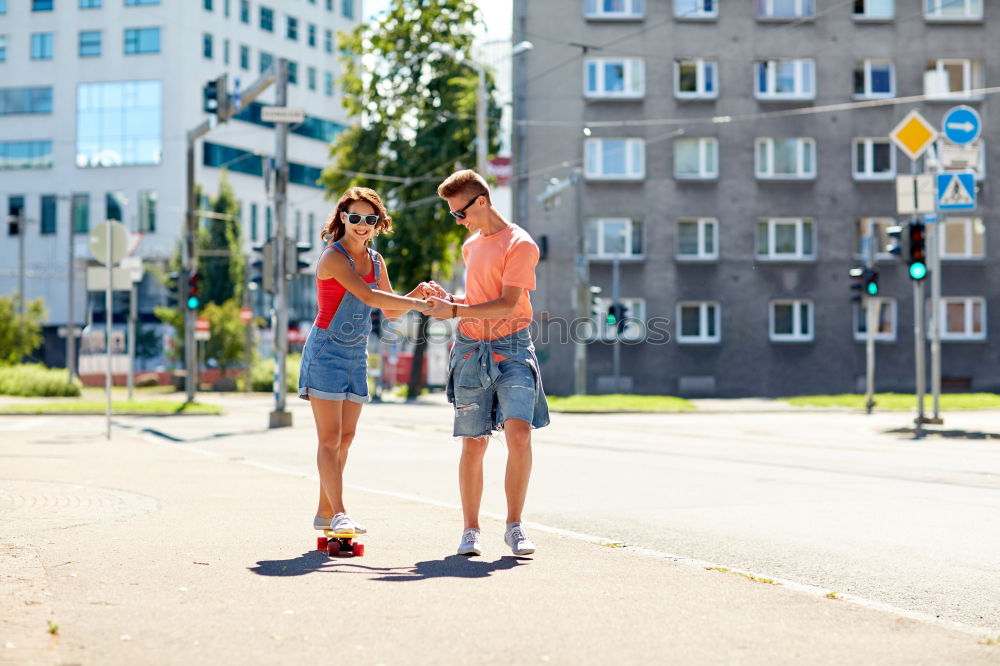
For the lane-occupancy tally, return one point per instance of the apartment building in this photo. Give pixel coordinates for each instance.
(96, 98)
(735, 199)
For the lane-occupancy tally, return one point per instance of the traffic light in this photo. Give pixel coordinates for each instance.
(294, 263)
(918, 250)
(871, 282)
(899, 242)
(262, 266)
(595, 300)
(215, 98)
(864, 282)
(616, 316)
(622, 316)
(173, 286)
(193, 296)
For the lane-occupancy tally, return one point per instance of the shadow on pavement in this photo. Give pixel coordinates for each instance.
(453, 566)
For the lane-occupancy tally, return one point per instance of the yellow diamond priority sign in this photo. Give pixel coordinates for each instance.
(913, 135)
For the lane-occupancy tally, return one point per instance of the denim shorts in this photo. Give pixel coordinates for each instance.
(480, 411)
(332, 370)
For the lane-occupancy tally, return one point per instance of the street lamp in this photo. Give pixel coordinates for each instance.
(482, 133)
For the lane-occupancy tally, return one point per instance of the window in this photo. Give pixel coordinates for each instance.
(614, 78)
(142, 40)
(139, 3)
(885, 320)
(48, 221)
(293, 72)
(147, 210)
(253, 223)
(3, 6)
(267, 19)
(311, 228)
(25, 155)
(244, 57)
(698, 239)
(791, 321)
(698, 323)
(328, 84)
(90, 43)
(696, 159)
(245, 11)
(311, 39)
(696, 9)
(225, 52)
(347, 9)
(329, 5)
(292, 28)
(952, 78)
(80, 212)
(15, 211)
(119, 123)
(785, 239)
(963, 238)
(90, 4)
(298, 226)
(42, 5)
(874, 79)
(634, 318)
(878, 227)
(225, 8)
(208, 5)
(42, 45)
(610, 237)
(25, 100)
(874, 159)
(963, 318)
(614, 9)
(206, 46)
(615, 159)
(873, 9)
(265, 60)
(311, 78)
(267, 222)
(785, 9)
(696, 78)
(328, 41)
(114, 206)
(786, 159)
(785, 79)
(953, 9)
(3, 48)
(312, 127)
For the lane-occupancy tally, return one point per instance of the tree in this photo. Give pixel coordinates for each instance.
(20, 332)
(220, 258)
(417, 110)
(228, 333)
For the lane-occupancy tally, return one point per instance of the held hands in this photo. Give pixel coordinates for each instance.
(441, 309)
(429, 289)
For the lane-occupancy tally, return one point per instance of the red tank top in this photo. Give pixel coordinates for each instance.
(329, 294)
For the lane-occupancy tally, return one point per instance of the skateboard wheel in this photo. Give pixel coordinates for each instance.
(321, 543)
(359, 550)
(333, 548)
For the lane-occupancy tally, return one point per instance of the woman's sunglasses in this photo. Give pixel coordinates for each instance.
(354, 218)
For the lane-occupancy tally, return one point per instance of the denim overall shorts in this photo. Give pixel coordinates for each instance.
(335, 358)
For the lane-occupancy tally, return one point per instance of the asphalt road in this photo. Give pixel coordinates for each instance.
(833, 500)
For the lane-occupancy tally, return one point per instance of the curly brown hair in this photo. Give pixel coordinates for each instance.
(333, 229)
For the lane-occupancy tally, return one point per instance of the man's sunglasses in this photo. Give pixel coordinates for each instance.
(354, 218)
(460, 213)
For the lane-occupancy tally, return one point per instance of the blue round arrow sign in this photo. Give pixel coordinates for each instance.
(962, 125)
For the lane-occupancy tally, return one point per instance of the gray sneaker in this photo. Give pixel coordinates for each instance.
(471, 545)
(518, 541)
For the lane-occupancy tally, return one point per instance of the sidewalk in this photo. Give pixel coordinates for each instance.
(146, 553)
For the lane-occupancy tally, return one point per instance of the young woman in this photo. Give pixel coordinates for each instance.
(351, 281)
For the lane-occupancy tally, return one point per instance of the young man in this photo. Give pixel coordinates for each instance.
(493, 377)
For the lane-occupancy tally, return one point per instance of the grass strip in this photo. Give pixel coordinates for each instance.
(618, 402)
(120, 407)
(898, 401)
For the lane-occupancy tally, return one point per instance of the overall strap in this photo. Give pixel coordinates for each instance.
(375, 262)
(347, 254)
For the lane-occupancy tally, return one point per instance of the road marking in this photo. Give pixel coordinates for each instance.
(24, 424)
(811, 590)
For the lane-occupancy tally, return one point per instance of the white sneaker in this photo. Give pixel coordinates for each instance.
(342, 524)
(518, 541)
(320, 523)
(471, 545)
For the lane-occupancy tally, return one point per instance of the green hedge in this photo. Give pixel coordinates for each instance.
(262, 374)
(35, 380)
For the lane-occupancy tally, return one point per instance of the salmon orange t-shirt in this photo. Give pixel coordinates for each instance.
(507, 257)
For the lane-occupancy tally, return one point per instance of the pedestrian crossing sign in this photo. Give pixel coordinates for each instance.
(956, 190)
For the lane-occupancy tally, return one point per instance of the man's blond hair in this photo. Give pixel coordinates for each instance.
(467, 183)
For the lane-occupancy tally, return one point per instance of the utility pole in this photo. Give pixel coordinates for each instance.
(616, 353)
(871, 314)
(280, 418)
(71, 315)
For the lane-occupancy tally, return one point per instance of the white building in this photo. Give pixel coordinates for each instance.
(96, 98)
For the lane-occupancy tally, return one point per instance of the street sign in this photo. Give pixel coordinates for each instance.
(99, 242)
(958, 158)
(961, 125)
(282, 114)
(97, 279)
(202, 329)
(246, 315)
(134, 267)
(913, 135)
(914, 194)
(956, 190)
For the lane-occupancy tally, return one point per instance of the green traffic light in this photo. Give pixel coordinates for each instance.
(872, 289)
(193, 303)
(611, 320)
(918, 270)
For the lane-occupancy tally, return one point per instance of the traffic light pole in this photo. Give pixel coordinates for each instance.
(920, 344)
(934, 265)
(617, 349)
(871, 321)
(280, 418)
